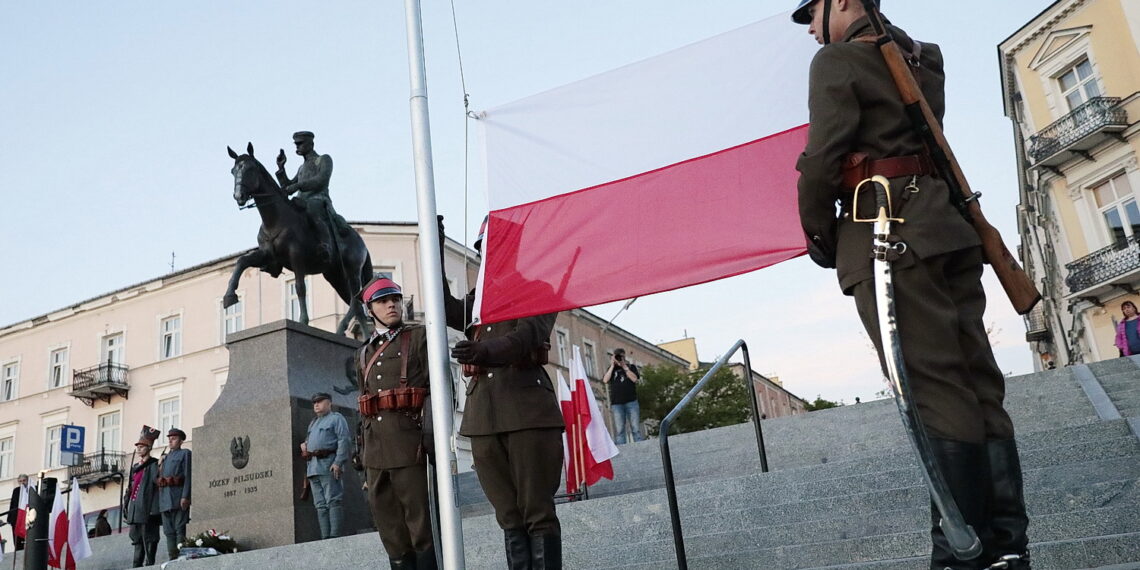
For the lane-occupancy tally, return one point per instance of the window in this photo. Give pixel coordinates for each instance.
(52, 439)
(293, 302)
(7, 456)
(589, 357)
(563, 341)
(233, 318)
(1117, 204)
(9, 382)
(57, 369)
(1078, 84)
(169, 413)
(112, 349)
(110, 431)
(170, 338)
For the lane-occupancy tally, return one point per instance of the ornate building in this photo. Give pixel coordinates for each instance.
(1071, 85)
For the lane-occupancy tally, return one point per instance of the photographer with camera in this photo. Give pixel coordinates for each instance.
(622, 378)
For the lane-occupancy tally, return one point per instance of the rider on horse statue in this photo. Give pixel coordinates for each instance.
(311, 184)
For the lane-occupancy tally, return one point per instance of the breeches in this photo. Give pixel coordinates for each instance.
(957, 386)
(399, 502)
(519, 472)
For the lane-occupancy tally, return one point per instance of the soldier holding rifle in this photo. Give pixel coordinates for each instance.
(859, 128)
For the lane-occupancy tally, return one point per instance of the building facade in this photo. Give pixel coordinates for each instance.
(1071, 85)
(154, 353)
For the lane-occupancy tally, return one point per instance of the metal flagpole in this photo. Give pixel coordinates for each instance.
(451, 528)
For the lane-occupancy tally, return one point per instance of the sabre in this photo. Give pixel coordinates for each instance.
(961, 536)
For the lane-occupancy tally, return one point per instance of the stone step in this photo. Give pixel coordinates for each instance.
(1112, 366)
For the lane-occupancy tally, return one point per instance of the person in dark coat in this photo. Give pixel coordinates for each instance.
(174, 491)
(395, 357)
(515, 425)
(142, 500)
(102, 525)
(14, 508)
(857, 119)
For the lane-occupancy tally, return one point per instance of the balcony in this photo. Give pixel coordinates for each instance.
(100, 468)
(100, 382)
(1036, 329)
(1078, 132)
(1114, 266)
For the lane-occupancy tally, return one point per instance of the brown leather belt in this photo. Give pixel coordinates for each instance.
(318, 453)
(857, 167)
(174, 481)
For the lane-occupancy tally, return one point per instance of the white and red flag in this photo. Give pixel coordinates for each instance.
(669, 172)
(78, 545)
(21, 529)
(589, 445)
(58, 555)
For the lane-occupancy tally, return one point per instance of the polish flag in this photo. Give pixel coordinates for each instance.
(21, 529)
(673, 171)
(78, 545)
(594, 444)
(572, 435)
(57, 535)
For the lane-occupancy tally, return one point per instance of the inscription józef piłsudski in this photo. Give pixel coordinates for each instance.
(241, 482)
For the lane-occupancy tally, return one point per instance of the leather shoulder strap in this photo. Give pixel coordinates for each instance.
(405, 341)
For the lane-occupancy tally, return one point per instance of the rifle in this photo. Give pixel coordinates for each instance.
(1022, 293)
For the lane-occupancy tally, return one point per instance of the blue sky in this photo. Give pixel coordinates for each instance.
(117, 117)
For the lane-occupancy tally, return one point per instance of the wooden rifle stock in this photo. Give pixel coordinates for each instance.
(1018, 286)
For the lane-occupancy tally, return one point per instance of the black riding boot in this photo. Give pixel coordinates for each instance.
(965, 467)
(151, 551)
(518, 548)
(425, 559)
(405, 562)
(1008, 519)
(545, 552)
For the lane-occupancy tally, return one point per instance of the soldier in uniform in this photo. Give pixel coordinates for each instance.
(174, 491)
(325, 451)
(311, 184)
(394, 453)
(858, 128)
(142, 499)
(515, 425)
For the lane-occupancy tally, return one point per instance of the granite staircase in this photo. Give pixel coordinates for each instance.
(844, 491)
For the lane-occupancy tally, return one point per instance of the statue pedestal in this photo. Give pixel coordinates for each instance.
(252, 492)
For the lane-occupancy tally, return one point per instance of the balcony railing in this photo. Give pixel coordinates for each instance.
(1103, 265)
(100, 382)
(1036, 328)
(100, 467)
(1097, 115)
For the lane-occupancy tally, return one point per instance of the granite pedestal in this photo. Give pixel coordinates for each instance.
(247, 467)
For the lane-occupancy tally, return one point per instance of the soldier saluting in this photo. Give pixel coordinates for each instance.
(858, 129)
(393, 374)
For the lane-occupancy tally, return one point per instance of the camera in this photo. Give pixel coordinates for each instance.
(618, 356)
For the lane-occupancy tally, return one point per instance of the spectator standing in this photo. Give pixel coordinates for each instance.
(1128, 330)
(14, 508)
(622, 378)
(102, 525)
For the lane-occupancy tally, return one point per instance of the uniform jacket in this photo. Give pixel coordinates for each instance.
(175, 464)
(393, 439)
(507, 398)
(327, 432)
(145, 503)
(854, 106)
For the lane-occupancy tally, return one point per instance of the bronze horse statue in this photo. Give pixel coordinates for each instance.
(287, 240)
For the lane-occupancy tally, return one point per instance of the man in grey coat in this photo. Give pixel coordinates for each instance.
(174, 491)
(142, 500)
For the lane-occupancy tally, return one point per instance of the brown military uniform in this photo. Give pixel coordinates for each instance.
(514, 421)
(855, 107)
(393, 453)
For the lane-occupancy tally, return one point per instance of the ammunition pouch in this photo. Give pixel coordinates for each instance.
(858, 167)
(173, 481)
(404, 399)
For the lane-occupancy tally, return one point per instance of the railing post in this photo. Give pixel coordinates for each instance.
(755, 409)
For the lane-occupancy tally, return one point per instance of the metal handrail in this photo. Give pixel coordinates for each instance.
(667, 458)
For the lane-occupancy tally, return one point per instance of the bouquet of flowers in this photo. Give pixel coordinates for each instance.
(222, 542)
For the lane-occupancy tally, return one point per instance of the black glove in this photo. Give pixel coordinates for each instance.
(821, 249)
(469, 352)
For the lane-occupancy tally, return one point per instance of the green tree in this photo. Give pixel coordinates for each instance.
(821, 404)
(724, 400)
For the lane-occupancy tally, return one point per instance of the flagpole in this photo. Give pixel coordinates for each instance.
(431, 283)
